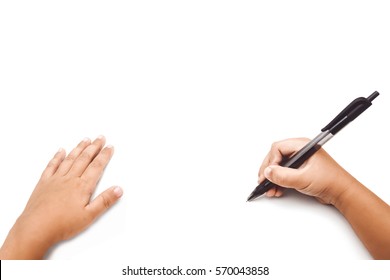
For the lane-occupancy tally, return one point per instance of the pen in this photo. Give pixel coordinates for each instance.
(354, 109)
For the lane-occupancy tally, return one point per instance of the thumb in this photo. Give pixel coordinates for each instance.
(104, 201)
(285, 177)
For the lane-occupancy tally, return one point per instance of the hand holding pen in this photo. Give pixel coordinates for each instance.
(323, 178)
(316, 177)
(351, 112)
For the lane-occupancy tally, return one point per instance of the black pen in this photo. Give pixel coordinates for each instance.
(354, 109)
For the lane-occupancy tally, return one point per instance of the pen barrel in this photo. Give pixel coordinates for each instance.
(308, 150)
(296, 162)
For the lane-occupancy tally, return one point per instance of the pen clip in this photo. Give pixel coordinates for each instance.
(354, 109)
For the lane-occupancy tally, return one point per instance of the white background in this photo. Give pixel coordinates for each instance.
(192, 94)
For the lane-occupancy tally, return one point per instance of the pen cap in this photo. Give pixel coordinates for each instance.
(351, 112)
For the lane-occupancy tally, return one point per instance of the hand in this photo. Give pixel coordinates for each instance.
(60, 207)
(320, 176)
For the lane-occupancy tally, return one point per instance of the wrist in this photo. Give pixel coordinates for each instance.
(24, 243)
(345, 190)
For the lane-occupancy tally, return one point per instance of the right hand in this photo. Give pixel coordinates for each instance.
(320, 176)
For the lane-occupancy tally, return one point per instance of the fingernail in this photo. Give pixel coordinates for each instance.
(110, 147)
(258, 180)
(100, 137)
(60, 150)
(118, 191)
(86, 139)
(267, 172)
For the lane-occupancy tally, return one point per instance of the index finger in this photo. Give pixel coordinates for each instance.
(95, 169)
(280, 149)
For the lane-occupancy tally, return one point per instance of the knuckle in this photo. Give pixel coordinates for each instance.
(278, 177)
(97, 164)
(83, 144)
(84, 184)
(275, 146)
(52, 163)
(86, 156)
(106, 201)
(70, 158)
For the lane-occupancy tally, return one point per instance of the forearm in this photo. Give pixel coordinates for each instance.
(23, 245)
(369, 216)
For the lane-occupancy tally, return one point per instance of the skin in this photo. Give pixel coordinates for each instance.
(60, 206)
(324, 179)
